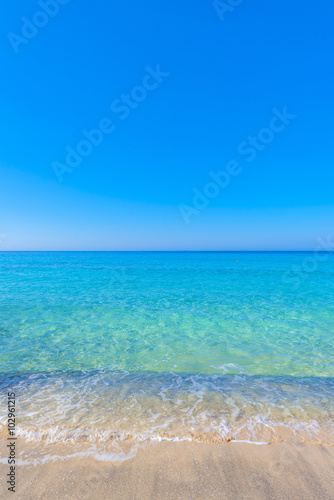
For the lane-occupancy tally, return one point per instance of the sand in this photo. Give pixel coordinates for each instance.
(186, 470)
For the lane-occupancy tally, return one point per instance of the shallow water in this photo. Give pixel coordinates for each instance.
(111, 349)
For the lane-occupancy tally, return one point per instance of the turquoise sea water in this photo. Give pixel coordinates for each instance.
(108, 348)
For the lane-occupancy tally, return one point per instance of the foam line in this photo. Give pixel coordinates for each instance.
(249, 442)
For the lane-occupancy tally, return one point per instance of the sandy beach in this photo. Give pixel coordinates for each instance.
(186, 471)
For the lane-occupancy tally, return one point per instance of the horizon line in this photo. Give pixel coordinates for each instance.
(172, 251)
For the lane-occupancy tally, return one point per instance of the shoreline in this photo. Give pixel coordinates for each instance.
(185, 470)
(32, 452)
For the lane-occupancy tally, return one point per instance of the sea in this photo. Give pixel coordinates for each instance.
(107, 352)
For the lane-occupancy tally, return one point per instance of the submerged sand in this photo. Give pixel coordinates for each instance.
(186, 470)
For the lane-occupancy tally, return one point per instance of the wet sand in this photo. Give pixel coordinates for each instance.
(170, 470)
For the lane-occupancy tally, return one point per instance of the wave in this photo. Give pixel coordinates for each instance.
(110, 413)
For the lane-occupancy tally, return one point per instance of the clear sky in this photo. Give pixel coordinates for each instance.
(215, 125)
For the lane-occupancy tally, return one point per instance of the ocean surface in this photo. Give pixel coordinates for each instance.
(107, 351)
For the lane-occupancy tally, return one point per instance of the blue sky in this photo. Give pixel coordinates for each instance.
(195, 91)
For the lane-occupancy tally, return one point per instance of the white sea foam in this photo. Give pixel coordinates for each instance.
(249, 442)
(108, 413)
